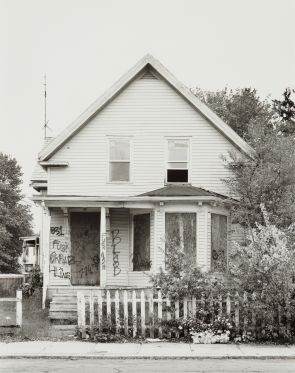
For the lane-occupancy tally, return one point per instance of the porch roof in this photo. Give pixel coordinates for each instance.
(182, 190)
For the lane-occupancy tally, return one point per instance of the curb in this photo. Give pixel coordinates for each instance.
(132, 357)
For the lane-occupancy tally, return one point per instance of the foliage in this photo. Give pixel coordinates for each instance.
(183, 278)
(242, 109)
(34, 282)
(268, 178)
(265, 267)
(203, 327)
(286, 111)
(15, 218)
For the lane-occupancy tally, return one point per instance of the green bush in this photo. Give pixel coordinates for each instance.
(33, 281)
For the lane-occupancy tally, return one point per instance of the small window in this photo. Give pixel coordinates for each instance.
(218, 243)
(178, 161)
(181, 230)
(119, 160)
(141, 242)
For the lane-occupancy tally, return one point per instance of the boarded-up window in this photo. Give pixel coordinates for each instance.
(180, 229)
(141, 243)
(218, 243)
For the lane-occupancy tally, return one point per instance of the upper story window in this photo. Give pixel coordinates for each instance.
(178, 161)
(119, 162)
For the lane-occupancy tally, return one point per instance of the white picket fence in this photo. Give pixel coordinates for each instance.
(141, 312)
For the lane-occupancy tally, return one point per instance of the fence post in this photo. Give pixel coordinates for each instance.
(125, 309)
(117, 316)
(151, 315)
(168, 305)
(79, 310)
(194, 307)
(19, 312)
(245, 312)
(237, 310)
(228, 305)
(134, 313)
(177, 316)
(288, 319)
(220, 306)
(91, 313)
(99, 310)
(253, 315)
(83, 316)
(185, 313)
(142, 312)
(109, 315)
(160, 315)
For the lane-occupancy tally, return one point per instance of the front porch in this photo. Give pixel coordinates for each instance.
(91, 243)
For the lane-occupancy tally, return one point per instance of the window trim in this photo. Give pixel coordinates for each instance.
(109, 161)
(188, 139)
(132, 214)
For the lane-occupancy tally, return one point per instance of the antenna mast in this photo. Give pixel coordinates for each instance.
(45, 107)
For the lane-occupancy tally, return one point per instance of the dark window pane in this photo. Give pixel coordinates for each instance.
(177, 176)
(119, 171)
(141, 243)
(218, 242)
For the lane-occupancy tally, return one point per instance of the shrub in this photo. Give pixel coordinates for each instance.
(34, 281)
(183, 278)
(265, 268)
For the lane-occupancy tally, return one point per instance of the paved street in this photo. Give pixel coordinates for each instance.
(129, 365)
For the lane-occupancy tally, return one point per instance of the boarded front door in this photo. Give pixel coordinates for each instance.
(85, 238)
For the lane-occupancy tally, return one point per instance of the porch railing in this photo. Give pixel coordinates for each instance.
(140, 312)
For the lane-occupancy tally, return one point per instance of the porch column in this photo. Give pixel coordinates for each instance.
(103, 247)
(44, 243)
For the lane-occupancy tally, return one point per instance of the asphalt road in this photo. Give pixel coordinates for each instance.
(143, 366)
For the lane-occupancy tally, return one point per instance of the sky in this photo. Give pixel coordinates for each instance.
(84, 46)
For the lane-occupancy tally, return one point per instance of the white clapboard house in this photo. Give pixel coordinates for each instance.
(142, 164)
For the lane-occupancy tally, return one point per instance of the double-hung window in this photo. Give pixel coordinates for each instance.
(119, 159)
(178, 161)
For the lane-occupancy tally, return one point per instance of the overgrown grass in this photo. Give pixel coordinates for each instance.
(36, 324)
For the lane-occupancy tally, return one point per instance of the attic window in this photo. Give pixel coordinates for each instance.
(178, 161)
(119, 160)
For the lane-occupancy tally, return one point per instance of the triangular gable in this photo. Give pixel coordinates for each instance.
(146, 61)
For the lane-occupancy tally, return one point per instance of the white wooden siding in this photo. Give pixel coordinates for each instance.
(148, 110)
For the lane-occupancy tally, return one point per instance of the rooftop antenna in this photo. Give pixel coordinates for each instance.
(45, 109)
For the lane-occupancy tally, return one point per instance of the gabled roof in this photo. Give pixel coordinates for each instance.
(146, 62)
(181, 191)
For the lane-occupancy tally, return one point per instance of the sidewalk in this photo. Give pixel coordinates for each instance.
(159, 350)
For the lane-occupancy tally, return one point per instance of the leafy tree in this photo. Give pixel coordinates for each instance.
(286, 111)
(269, 176)
(265, 178)
(241, 108)
(15, 218)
